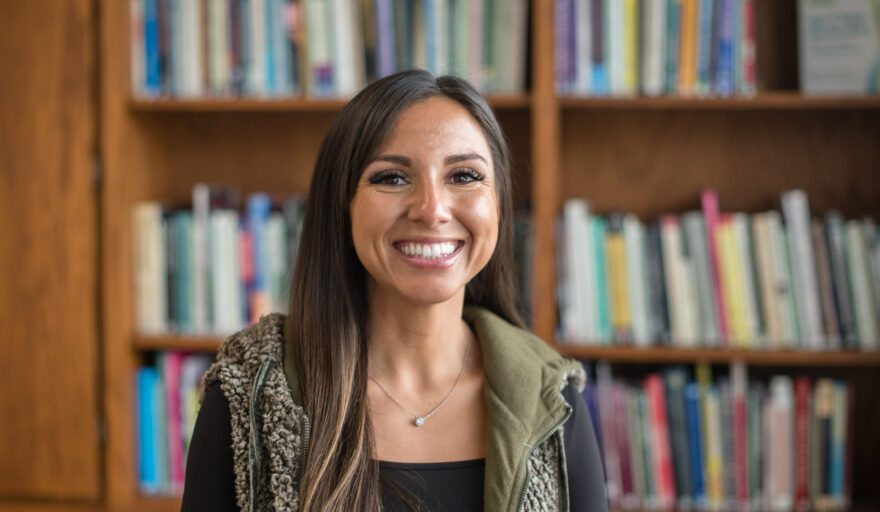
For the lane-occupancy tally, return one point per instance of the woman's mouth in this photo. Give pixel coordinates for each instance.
(429, 253)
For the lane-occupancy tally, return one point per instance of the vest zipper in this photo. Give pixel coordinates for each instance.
(541, 441)
(307, 428)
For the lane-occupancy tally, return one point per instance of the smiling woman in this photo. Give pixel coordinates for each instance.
(402, 378)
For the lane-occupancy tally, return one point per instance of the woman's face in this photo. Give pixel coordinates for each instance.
(425, 214)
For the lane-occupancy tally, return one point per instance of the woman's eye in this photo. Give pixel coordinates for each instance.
(387, 178)
(466, 176)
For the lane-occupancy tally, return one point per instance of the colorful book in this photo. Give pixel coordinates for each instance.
(709, 202)
(664, 488)
(618, 287)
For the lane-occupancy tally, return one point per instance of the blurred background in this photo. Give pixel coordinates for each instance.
(698, 184)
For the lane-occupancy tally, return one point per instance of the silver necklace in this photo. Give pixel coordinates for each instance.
(420, 420)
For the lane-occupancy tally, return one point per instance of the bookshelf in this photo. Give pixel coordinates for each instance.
(647, 156)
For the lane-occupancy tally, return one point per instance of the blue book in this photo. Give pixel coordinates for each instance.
(385, 56)
(152, 85)
(695, 441)
(430, 36)
(724, 79)
(603, 319)
(269, 46)
(704, 59)
(148, 468)
(675, 380)
(589, 394)
(599, 80)
(673, 31)
(258, 208)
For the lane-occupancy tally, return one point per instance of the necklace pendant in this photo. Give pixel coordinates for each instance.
(419, 421)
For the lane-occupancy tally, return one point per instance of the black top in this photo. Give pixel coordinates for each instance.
(445, 486)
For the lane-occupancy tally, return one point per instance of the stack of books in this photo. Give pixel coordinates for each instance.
(321, 48)
(688, 48)
(728, 444)
(211, 269)
(167, 404)
(715, 279)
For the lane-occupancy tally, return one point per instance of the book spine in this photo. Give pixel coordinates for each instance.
(802, 445)
(688, 52)
(858, 280)
(148, 476)
(672, 43)
(615, 247)
(656, 280)
(695, 434)
(709, 201)
(605, 389)
(678, 429)
(634, 234)
(797, 218)
(724, 80)
(704, 48)
(826, 291)
(834, 234)
(636, 448)
(599, 78)
(627, 492)
(601, 262)
(662, 460)
(739, 386)
(699, 255)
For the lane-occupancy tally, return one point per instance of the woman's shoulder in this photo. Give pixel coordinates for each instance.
(242, 354)
(512, 347)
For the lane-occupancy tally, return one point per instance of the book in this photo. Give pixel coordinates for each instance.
(797, 218)
(709, 203)
(661, 464)
(863, 300)
(610, 445)
(149, 481)
(802, 392)
(834, 234)
(637, 280)
(150, 281)
(826, 291)
(618, 289)
(698, 249)
(675, 380)
(839, 47)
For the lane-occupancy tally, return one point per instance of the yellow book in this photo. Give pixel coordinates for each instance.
(731, 282)
(631, 34)
(710, 445)
(615, 247)
(687, 65)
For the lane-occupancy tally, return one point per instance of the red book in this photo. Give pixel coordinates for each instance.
(664, 492)
(740, 444)
(621, 425)
(709, 201)
(802, 391)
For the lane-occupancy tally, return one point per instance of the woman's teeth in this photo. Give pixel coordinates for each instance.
(429, 251)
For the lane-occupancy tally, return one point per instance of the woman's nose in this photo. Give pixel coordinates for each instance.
(430, 204)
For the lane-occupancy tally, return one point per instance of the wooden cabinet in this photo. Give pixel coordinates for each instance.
(648, 156)
(50, 445)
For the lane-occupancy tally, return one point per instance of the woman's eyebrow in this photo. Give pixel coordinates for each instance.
(394, 159)
(463, 158)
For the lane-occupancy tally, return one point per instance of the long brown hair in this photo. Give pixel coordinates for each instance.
(328, 303)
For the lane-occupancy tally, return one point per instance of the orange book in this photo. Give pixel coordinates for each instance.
(687, 63)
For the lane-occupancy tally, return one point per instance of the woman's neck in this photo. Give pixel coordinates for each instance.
(416, 346)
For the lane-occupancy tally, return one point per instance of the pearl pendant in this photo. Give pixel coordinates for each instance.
(419, 421)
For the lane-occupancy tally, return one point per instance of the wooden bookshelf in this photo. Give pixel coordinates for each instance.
(298, 104)
(648, 156)
(781, 358)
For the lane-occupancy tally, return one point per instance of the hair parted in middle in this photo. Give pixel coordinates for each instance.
(327, 321)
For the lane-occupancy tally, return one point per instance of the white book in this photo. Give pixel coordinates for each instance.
(191, 36)
(797, 219)
(344, 82)
(857, 265)
(277, 260)
(675, 274)
(616, 41)
(226, 272)
(150, 280)
(583, 61)
(653, 52)
(744, 247)
(201, 255)
(579, 318)
(634, 240)
(218, 47)
(839, 46)
(320, 46)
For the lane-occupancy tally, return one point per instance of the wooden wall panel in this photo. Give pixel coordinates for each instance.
(49, 437)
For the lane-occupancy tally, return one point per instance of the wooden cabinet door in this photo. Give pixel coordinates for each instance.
(49, 406)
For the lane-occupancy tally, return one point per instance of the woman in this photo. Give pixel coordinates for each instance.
(401, 378)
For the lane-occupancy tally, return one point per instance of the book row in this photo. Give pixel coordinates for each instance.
(167, 404)
(211, 269)
(710, 278)
(670, 440)
(321, 48)
(655, 47)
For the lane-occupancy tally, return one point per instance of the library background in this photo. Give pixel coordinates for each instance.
(698, 190)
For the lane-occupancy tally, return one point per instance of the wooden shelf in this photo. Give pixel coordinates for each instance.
(780, 100)
(157, 503)
(206, 343)
(298, 104)
(752, 357)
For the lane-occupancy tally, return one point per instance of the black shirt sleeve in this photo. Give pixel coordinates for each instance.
(586, 479)
(210, 478)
